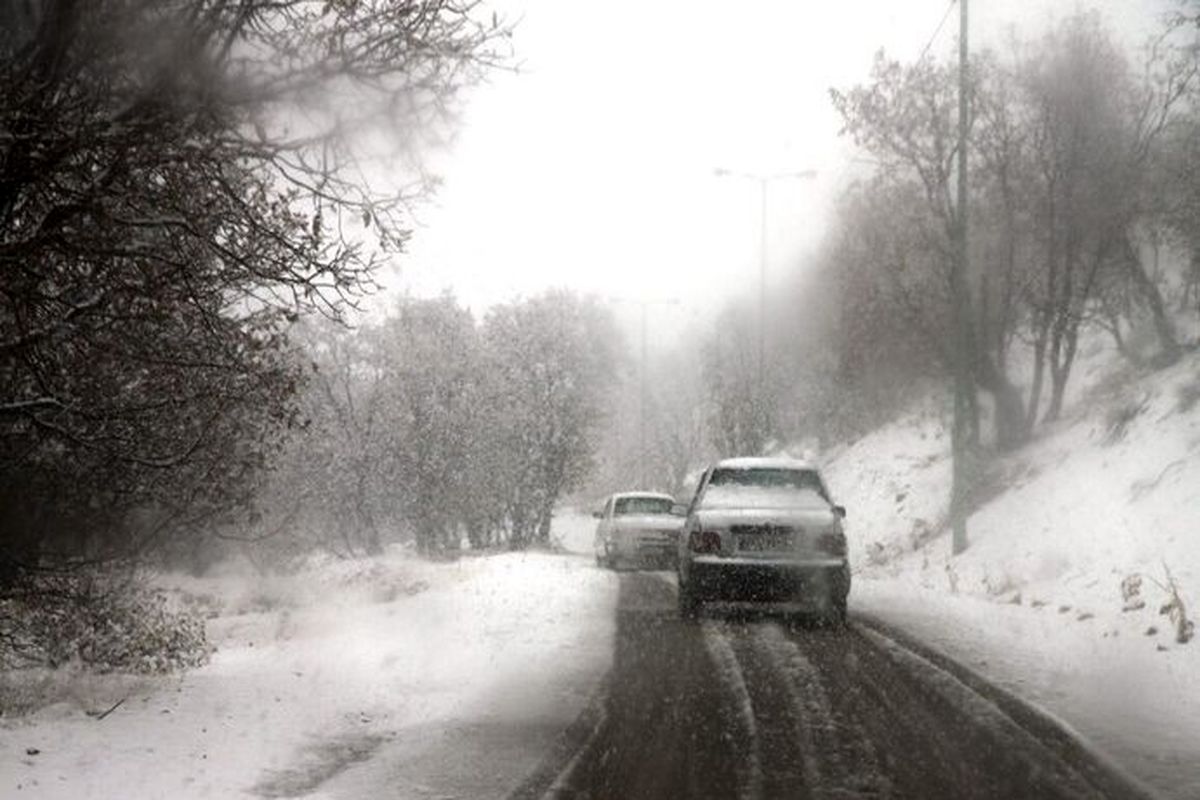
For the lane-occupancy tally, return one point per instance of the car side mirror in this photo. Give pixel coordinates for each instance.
(598, 514)
(679, 510)
(839, 512)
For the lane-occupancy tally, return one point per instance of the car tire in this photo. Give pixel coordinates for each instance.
(689, 603)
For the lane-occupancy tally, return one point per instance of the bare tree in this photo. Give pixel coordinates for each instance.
(176, 183)
(1078, 84)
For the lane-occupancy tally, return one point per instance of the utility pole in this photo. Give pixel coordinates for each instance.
(964, 384)
(763, 414)
(642, 406)
(763, 180)
(643, 375)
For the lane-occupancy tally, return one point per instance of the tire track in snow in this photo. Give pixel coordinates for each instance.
(1093, 765)
(1025, 753)
(744, 741)
(839, 760)
(782, 757)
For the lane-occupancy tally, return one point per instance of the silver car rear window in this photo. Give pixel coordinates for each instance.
(643, 505)
(766, 478)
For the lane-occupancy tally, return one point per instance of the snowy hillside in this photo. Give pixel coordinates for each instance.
(334, 682)
(1074, 552)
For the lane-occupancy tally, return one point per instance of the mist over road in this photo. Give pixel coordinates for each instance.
(754, 707)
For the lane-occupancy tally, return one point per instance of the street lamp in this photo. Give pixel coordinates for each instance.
(763, 180)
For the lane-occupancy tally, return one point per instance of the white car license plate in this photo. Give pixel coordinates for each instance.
(765, 542)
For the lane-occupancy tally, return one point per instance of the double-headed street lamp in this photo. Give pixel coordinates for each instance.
(764, 179)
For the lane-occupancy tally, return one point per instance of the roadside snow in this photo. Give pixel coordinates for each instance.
(1058, 596)
(348, 680)
(1139, 706)
(575, 531)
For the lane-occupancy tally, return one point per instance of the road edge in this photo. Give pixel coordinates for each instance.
(1095, 765)
(552, 777)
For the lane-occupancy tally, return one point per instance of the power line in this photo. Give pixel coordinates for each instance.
(933, 38)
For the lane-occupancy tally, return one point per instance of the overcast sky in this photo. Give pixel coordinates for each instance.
(592, 167)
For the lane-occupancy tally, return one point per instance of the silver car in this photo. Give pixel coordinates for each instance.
(764, 530)
(637, 528)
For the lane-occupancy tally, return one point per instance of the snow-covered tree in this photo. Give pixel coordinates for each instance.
(551, 365)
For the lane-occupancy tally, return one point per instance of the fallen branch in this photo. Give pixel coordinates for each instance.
(110, 709)
(1140, 488)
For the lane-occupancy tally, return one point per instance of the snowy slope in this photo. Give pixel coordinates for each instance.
(347, 679)
(1103, 500)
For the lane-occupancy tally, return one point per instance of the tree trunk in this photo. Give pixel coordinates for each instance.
(1062, 357)
(1039, 375)
(1169, 351)
(1058, 384)
(1010, 428)
(1058, 387)
(543, 528)
(966, 408)
(961, 475)
(1191, 284)
(1113, 325)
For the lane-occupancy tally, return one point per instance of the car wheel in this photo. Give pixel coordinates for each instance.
(689, 603)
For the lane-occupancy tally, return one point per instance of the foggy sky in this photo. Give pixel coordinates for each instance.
(592, 166)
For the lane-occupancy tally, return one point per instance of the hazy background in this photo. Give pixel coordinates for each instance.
(592, 166)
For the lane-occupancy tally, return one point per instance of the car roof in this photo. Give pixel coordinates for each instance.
(656, 495)
(764, 462)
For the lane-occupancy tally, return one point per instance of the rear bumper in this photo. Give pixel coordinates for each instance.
(712, 578)
(644, 552)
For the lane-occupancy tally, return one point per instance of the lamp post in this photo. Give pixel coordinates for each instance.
(642, 389)
(763, 180)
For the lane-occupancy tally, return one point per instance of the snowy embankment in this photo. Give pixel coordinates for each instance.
(385, 676)
(1071, 559)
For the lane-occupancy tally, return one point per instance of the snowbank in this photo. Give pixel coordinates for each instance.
(1059, 594)
(345, 679)
(575, 531)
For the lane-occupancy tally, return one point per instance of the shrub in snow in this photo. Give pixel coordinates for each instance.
(952, 578)
(100, 621)
(1131, 593)
(1173, 609)
(1176, 611)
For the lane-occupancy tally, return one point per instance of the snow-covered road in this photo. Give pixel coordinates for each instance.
(747, 706)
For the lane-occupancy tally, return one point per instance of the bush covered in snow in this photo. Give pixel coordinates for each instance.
(101, 621)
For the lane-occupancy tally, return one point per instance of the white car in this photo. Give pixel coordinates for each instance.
(637, 528)
(764, 530)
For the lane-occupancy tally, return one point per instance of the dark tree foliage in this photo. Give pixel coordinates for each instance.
(175, 186)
